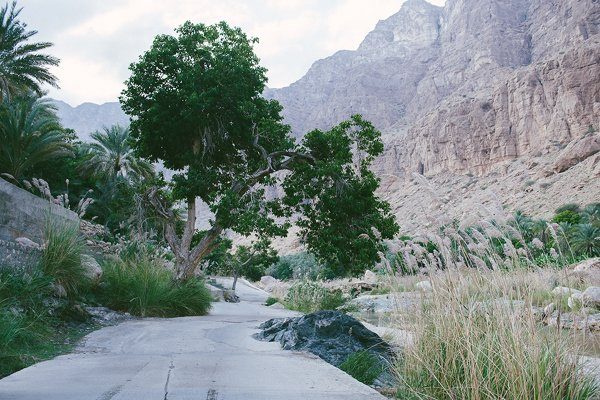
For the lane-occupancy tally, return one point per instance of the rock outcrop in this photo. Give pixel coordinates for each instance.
(476, 88)
(331, 335)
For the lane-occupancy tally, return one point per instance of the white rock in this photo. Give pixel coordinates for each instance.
(575, 300)
(92, 269)
(592, 263)
(268, 280)
(28, 243)
(374, 303)
(563, 290)
(591, 296)
(549, 309)
(424, 286)
(370, 277)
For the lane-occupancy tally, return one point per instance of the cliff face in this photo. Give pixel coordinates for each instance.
(465, 87)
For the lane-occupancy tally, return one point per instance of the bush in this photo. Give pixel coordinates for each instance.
(567, 216)
(466, 348)
(30, 330)
(143, 287)
(309, 297)
(297, 266)
(363, 366)
(270, 301)
(61, 257)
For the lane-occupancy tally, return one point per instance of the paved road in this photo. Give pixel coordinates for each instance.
(197, 358)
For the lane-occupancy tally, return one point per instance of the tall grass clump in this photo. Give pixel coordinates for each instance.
(24, 320)
(363, 366)
(307, 297)
(142, 286)
(61, 256)
(472, 341)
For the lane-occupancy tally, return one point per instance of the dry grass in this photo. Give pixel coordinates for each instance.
(474, 339)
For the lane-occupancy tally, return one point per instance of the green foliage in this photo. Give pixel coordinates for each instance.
(61, 257)
(297, 266)
(586, 240)
(195, 102)
(110, 156)
(567, 216)
(142, 286)
(344, 222)
(270, 301)
(363, 366)
(30, 135)
(22, 67)
(307, 297)
(30, 327)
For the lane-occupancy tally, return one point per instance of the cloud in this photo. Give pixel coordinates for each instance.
(98, 39)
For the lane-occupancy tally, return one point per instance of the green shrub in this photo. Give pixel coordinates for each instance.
(310, 296)
(61, 257)
(567, 216)
(363, 366)
(270, 301)
(143, 287)
(30, 329)
(299, 266)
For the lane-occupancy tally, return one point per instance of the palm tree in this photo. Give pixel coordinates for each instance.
(111, 156)
(586, 240)
(22, 68)
(29, 135)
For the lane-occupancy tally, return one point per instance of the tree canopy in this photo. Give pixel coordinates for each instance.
(195, 102)
(22, 67)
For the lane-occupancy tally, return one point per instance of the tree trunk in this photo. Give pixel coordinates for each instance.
(235, 278)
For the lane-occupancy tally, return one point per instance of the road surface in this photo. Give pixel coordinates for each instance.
(197, 358)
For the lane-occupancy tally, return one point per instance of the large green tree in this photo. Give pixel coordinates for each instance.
(195, 102)
(23, 68)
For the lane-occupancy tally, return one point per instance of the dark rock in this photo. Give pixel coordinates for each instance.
(230, 297)
(331, 335)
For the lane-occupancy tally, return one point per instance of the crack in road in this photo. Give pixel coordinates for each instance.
(171, 366)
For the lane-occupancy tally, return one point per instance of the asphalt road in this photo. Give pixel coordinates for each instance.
(198, 358)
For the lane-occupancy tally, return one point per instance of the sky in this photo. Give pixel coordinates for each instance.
(97, 40)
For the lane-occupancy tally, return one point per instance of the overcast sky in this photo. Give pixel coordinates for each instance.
(96, 40)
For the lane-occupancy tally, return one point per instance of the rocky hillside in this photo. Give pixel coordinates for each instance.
(89, 117)
(468, 91)
(478, 100)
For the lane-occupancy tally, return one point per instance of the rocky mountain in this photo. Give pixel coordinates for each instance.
(89, 117)
(470, 90)
(480, 102)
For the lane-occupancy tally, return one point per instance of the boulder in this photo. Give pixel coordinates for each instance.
(563, 290)
(105, 316)
(331, 335)
(373, 303)
(591, 296)
(424, 286)
(217, 293)
(576, 152)
(230, 297)
(575, 300)
(268, 280)
(92, 269)
(587, 265)
(28, 243)
(370, 277)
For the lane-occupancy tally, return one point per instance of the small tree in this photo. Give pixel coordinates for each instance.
(195, 103)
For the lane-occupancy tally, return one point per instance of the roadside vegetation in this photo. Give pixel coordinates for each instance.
(142, 286)
(475, 333)
(473, 340)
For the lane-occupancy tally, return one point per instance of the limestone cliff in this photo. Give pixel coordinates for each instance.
(473, 88)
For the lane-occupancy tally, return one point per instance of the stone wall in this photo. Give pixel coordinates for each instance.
(22, 214)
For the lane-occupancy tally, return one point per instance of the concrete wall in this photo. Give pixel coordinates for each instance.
(22, 214)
